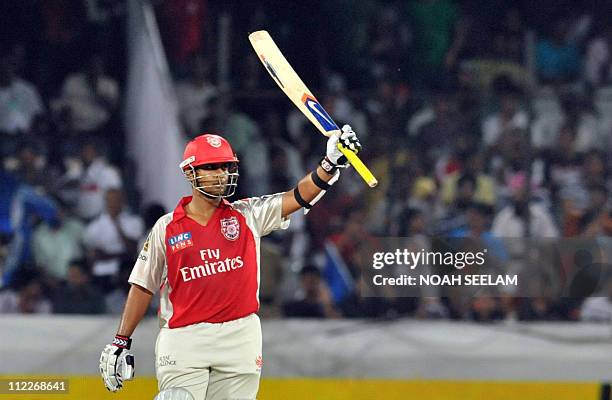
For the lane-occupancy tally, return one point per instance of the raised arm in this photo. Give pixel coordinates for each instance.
(312, 187)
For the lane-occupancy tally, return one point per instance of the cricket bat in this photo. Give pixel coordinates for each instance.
(288, 80)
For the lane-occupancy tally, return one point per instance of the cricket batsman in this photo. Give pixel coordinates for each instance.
(204, 259)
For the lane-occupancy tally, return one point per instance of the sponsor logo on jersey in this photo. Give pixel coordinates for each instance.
(210, 267)
(180, 241)
(214, 141)
(230, 228)
(145, 246)
(319, 113)
(259, 362)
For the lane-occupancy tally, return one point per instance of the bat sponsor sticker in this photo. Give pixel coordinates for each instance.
(271, 70)
(319, 113)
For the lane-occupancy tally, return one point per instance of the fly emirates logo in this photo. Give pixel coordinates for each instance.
(212, 264)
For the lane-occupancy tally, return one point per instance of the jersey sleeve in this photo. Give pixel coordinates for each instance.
(149, 267)
(263, 214)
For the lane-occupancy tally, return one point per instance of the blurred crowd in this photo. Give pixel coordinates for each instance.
(482, 119)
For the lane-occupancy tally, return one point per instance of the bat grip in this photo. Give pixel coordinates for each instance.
(359, 166)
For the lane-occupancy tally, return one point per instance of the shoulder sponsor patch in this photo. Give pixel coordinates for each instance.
(180, 241)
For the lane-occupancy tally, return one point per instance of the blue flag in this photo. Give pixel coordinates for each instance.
(336, 274)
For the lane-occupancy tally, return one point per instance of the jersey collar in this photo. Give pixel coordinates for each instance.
(179, 211)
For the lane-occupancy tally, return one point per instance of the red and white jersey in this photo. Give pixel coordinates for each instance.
(207, 273)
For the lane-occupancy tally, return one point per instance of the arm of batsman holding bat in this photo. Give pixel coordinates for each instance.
(312, 187)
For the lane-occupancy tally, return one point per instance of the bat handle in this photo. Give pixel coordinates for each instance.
(359, 166)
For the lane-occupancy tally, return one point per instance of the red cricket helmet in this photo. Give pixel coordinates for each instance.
(207, 149)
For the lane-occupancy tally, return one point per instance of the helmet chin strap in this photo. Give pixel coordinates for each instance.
(208, 196)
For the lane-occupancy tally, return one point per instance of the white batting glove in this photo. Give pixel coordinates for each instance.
(348, 139)
(116, 363)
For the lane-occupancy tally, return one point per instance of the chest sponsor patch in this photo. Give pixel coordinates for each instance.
(180, 241)
(230, 228)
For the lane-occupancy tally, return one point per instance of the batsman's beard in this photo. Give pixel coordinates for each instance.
(216, 186)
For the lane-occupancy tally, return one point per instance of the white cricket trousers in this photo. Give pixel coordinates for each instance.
(212, 361)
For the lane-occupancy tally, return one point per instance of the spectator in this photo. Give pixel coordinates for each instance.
(20, 205)
(454, 217)
(26, 295)
(538, 309)
(284, 157)
(436, 138)
(510, 222)
(77, 296)
(62, 41)
(508, 118)
(478, 218)
(473, 166)
(424, 198)
(252, 149)
(194, 95)
(338, 103)
(389, 42)
(20, 104)
(387, 112)
(427, 304)
(593, 220)
(564, 166)
(485, 309)
(66, 140)
(98, 177)
(582, 191)
(184, 25)
(57, 242)
(111, 239)
(90, 97)
(31, 165)
(413, 223)
(598, 58)
(314, 300)
(557, 58)
(595, 168)
(598, 308)
(508, 40)
(348, 239)
(440, 33)
(580, 118)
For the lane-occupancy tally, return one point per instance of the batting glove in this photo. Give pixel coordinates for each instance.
(334, 157)
(116, 363)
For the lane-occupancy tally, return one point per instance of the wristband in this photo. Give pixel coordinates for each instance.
(328, 166)
(123, 342)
